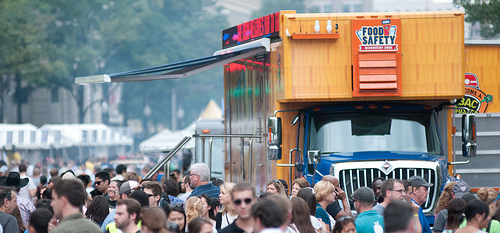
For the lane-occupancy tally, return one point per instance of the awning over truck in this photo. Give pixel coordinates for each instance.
(184, 68)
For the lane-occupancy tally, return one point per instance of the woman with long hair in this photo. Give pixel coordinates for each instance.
(228, 214)
(298, 184)
(194, 208)
(446, 197)
(307, 194)
(205, 212)
(301, 220)
(97, 210)
(276, 187)
(153, 220)
(456, 210)
(178, 216)
(490, 197)
(477, 214)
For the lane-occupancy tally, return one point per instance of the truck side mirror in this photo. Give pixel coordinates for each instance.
(313, 156)
(274, 152)
(274, 126)
(469, 135)
(274, 148)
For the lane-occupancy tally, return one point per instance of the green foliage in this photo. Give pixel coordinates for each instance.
(273, 6)
(485, 12)
(47, 43)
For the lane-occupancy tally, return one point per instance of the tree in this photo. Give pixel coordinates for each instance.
(485, 12)
(21, 50)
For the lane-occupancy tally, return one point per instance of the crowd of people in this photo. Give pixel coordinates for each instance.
(114, 200)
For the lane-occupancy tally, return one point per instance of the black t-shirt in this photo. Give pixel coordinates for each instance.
(232, 229)
(112, 204)
(218, 221)
(333, 209)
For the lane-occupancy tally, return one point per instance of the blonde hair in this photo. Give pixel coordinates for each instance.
(226, 187)
(194, 206)
(323, 189)
(487, 195)
(446, 197)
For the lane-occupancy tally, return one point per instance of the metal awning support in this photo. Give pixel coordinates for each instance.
(165, 160)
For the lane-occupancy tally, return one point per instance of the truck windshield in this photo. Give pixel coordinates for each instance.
(402, 131)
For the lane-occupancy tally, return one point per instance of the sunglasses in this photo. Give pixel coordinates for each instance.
(98, 182)
(239, 201)
(149, 195)
(496, 199)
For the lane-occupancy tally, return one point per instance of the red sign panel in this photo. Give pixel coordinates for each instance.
(266, 26)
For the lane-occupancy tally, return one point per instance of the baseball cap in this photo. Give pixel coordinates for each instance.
(364, 194)
(128, 185)
(417, 181)
(460, 189)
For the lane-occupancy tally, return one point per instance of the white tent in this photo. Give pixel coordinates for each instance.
(166, 140)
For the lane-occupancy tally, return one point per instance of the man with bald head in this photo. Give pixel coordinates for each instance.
(334, 209)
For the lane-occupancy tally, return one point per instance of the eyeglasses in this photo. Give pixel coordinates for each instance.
(402, 191)
(239, 201)
(149, 195)
(192, 174)
(98, 182)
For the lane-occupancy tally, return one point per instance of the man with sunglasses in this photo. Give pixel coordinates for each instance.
(392, 190)
(244, 198)
(102, 183)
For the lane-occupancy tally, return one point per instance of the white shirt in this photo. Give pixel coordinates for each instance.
(24, 192)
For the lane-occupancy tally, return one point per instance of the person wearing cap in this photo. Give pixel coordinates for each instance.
(457, 190)
(420, 192)
(126, 189)
(392, 190)
(368, 220)
(14, 181)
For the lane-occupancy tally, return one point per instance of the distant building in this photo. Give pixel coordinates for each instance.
(54, 106)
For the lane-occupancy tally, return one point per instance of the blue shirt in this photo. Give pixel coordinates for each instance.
(322, 214)
(426, 228)
(208, 189)
(369, 222)
(109, 219)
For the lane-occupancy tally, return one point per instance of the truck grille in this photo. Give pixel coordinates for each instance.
(351, 179)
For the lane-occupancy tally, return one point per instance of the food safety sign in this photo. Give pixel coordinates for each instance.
(376, 34)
